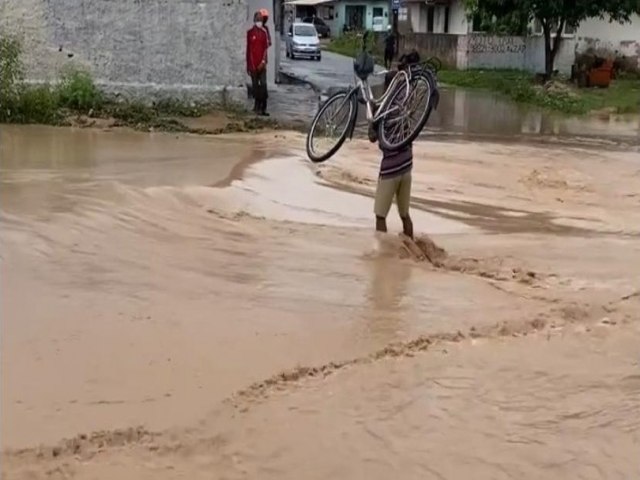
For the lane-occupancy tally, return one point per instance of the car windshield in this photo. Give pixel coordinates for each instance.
(304, 31)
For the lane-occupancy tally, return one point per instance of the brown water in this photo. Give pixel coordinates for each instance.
(488, 114)
(166, 281)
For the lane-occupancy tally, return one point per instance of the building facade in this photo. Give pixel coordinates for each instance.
(434, 23)
(343, 15)
(149, 49)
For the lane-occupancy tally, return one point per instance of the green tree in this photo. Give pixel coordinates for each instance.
(554, 15)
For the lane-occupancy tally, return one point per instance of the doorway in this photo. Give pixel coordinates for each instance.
(355, 17)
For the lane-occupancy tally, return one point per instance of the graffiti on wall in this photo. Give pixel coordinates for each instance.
(491, 44)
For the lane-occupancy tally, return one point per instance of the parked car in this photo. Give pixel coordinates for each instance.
(303, 41)
(322, 28)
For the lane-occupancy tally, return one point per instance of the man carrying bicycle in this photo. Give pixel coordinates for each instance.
(394, 182)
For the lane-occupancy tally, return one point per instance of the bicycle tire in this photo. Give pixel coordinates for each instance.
(385, 143)
(348, 96)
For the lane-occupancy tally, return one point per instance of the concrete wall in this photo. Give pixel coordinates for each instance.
(443, 46)
(523, 53)
(534, 55)
(190, 48)
(486, 51)
(610, 39)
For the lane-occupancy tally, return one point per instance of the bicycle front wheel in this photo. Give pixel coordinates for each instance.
(331, 126)
(406, 113)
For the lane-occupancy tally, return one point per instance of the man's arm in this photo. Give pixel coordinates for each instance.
(266, 48)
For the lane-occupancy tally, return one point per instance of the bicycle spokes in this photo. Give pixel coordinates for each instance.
(331, 126)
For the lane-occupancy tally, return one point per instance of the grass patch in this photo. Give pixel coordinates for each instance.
(623, 96)
(350, 45)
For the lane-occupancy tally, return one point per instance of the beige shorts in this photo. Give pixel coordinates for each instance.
(389, 188)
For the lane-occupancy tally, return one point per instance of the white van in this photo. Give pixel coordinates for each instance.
(303, 41)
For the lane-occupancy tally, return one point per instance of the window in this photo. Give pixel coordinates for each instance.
(403, 14)
(446, 19)
(304, 31)
(377, 12)
(327, 12)
(430, 18)
(477, 23)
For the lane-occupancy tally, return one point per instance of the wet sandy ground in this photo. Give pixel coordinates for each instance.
(230, 299)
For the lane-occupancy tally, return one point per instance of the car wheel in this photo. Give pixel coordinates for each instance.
(286, 52)
(292, 56)
(318, 58)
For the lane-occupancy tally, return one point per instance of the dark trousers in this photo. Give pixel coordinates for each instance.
(259, 87)
(388, 58)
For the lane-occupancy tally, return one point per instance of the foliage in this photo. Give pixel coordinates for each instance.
(511, 23)
(37, 104)
(553, 15)
(11, 75)
(623, 96)
(77, 90)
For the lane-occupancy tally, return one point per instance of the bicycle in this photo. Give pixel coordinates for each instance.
(391, 114)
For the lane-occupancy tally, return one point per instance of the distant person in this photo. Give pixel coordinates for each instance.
(265, 18)
(257, 48)
(390, 41)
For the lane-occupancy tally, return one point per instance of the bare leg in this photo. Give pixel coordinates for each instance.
(381, 224)
(407, 226)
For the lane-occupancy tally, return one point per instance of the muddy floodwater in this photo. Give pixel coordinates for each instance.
(217, 307)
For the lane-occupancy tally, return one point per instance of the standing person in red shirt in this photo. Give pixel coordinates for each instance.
(257, 47)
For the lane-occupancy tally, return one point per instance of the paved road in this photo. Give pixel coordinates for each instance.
(293, 104)
(297, 104)
(332, 71)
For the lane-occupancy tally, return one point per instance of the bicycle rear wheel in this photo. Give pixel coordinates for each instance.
(331, 126)
(407, 113)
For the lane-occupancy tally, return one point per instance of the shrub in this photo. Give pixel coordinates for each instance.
(11, 75)
(37, 104)
(78, 91)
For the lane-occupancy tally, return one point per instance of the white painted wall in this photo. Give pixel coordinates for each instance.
(610, 39)
(415, 14)
(610, 32)
(458, 22)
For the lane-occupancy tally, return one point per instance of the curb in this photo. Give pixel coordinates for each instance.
(294, 79)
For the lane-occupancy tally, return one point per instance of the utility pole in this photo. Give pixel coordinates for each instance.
(395, 6)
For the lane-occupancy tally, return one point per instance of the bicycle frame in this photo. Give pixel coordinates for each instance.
(371, 101)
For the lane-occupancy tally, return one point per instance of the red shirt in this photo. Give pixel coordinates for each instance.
(257, 46)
